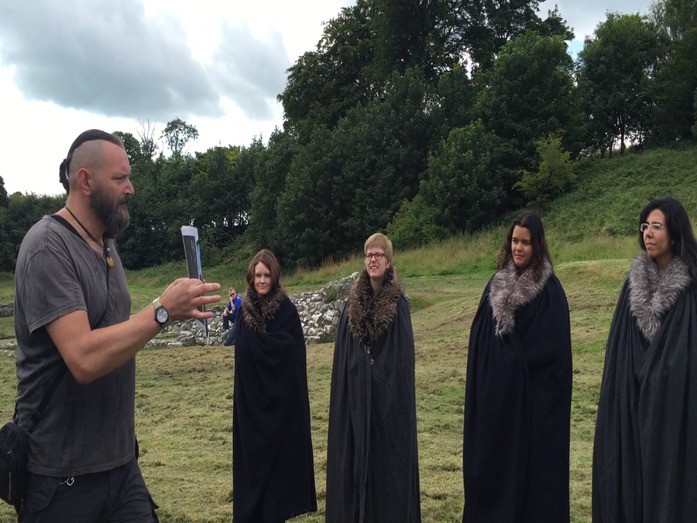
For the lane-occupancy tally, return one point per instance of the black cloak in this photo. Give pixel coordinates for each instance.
(518, 401)
(372, 457)
(272, 464)
(645, 451)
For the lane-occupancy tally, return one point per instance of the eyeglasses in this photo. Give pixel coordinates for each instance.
(377, 256)
(655, 227)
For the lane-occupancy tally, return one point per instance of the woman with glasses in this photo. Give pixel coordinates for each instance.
(645, 451)
(272, 463)
(372, 458)
(518, 388)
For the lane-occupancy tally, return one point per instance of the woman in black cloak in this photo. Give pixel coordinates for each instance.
(272, 465)
(372, 458)
(645, 451)
(518, 389)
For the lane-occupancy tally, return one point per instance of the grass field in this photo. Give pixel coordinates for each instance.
(184, 399)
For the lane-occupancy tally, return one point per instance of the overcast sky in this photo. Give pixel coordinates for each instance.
(217, 64)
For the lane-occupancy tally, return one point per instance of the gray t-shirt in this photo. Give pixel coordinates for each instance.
(84, 428)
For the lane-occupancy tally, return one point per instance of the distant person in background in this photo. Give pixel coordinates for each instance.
(518, 388)
(272, 463)
(372, 455)
(76, 331)
(230, 316)
(645, 453)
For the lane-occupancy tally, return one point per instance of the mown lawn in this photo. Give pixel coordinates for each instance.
(184, 399)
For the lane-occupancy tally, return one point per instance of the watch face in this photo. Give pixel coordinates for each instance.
(162, 315)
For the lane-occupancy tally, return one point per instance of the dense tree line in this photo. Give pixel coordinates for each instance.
(422, 118)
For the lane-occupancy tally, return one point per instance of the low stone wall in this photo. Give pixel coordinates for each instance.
(319, 312)
(6, 311)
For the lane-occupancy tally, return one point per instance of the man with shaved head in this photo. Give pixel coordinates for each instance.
(77, 342)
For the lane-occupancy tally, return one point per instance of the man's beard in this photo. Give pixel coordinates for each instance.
(113, 215)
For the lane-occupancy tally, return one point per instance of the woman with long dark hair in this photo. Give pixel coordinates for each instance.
(272, 464)
(518, 389)
(645, 451)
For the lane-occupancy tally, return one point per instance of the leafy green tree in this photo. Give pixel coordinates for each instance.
(177, 135)
(217, 200)
(350, 180)
(615, 71)
(676, 79)
(269, 183)
(305, 219)
(324, 84)
(677, 17)
(6, 250)
(554, 176)
(453, 103)
(22, 211)
(527, 94)
(463, 189)
(673, 91)
(3, 194)
(485, 26)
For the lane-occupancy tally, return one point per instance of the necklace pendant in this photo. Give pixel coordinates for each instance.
(110, 261)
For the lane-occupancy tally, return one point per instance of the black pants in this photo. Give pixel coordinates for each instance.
(117, 495)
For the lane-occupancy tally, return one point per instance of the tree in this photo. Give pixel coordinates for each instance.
(527, 94)
(676, 79)
(306, 226)
(6, 250)
(177, 135)
(485, 26)
(324, 84)
(22, 211)
(352, 179)
(269, 183)
(615, 70)
(554, 176)
(131, 144)
(146, 136)
(463, 189)
(3, 193)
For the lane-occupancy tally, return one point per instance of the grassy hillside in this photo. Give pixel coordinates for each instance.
(185, 395)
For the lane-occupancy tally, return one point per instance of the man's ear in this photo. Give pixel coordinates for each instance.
(84, 181)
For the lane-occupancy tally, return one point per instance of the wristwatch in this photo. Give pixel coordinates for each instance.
(161, 313)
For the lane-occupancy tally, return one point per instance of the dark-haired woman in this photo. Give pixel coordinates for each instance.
(518, 389)
(272, 466)
(645, 452)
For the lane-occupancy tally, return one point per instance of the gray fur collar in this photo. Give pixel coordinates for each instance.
(258, 310)
(509, 291)
(652, 295)
(370, 316)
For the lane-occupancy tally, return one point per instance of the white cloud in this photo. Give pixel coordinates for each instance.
(78, 64)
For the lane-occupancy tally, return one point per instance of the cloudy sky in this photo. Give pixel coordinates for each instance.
(77, 64)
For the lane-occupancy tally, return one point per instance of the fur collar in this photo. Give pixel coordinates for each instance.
(509, 291)
(370, 316)
(258, 310)
(652, 295)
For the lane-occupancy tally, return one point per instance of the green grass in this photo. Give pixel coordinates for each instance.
(184, 399)
(184, 396)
